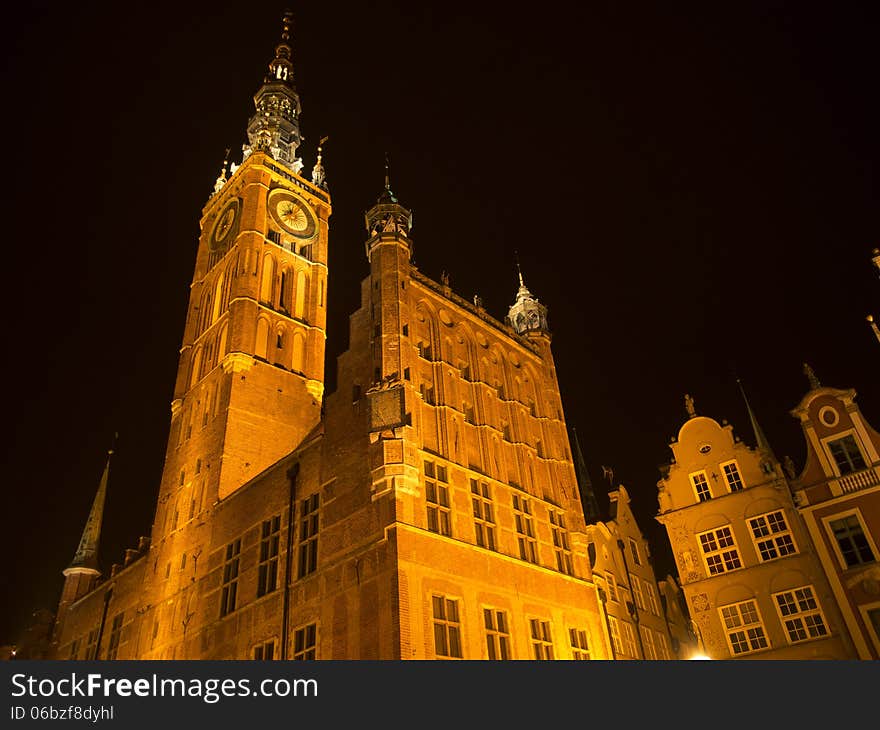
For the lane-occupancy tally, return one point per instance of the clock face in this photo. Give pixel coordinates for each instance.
(225, 225)
(292, 215)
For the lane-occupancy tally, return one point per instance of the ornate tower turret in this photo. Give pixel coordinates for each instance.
(274, 127)
(527, 314)
(388, 220)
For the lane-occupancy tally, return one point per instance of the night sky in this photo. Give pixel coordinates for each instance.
(692, 190)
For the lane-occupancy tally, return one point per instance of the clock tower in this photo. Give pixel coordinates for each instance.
(250, 377)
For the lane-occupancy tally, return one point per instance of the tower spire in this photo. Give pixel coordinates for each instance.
(592, 513)
(274, 127)
(86, 557)
(527, 313)
(811, 376)
(760, 438)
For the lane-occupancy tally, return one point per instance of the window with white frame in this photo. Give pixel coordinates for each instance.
(580, 646)
(662, 646)
(701, 486)
(629, 639)
(846, 454)
(637, 591)
(743, 627)
(634, 551)
(542, 642)
(851, 540)
(497, 633)
(648, 643)
(653, 606)
(611, 582)
(614, 630)
(800, 614)
(772, 536)
(719, 550)
(732, 476)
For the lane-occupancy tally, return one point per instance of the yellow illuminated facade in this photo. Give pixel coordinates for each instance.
(427, 508)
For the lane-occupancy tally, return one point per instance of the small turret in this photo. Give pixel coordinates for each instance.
(527, 314)
(388, 218)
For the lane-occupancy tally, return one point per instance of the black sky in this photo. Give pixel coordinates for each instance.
(692, 190)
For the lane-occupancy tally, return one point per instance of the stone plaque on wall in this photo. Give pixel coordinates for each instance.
(386, 408)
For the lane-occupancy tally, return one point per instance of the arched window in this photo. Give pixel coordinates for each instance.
(218, 299)
(221, 347)
(284, 299)
(301, 282)
(266, 285)
(196, 367)
(261, 347)
(299, 353)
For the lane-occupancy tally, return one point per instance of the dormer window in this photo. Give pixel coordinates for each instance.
(846, 454)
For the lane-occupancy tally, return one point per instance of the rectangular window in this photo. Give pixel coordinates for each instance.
(634, 551)
(846, 454)
(267, 575)
(437, 499)
(719, 550)
(731, 474)
(74, 649)
(851, 540)
(484, 514)
(648, 643)
(92, 645)
(447, 629)
(115, 636)
(468, 411)
(525, 529)
(611, 581)
(265, 652)
(771, 536)
(701, 486)
(497, 634)
(653, 607)
(662, 646)
(230, 578)
(308, 536)
(542, 643)
(425, 350)
(800, 614)
(305, 643)
(561, 545)
(629, 639)
(637, 591)
(580, 647)
(614, 630)
(744, 629)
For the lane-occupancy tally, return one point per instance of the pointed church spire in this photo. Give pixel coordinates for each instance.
(86, 558)
(274, 127)
(760, 438)
(592, 513)
(811, 376)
